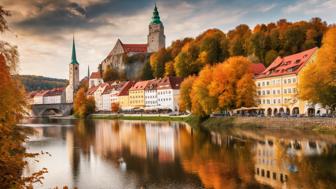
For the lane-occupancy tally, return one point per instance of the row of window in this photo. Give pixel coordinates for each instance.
(164, 92)
(140, 96)
(277, 91)
(276, 82)
(273, 101)
(164, 99)
(267, 174)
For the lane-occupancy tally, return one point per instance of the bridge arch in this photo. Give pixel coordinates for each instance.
(43, 110)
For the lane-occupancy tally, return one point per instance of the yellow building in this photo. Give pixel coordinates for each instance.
(277, 92)
(123, 96)
(137, 94)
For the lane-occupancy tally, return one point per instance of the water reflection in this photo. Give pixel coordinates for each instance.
(137, 154)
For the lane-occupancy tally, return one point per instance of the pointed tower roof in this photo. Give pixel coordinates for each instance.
(73, 57)
(156, 16)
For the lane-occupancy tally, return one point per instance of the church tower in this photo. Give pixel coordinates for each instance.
(156, 39)
(73, 75)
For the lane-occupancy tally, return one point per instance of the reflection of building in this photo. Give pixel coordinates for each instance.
(140, 139)
(161, 140)
(272, 163)
(269, 167)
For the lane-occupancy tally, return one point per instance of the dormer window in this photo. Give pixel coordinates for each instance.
(297, 61)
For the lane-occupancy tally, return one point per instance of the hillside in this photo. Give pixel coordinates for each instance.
(32, 82)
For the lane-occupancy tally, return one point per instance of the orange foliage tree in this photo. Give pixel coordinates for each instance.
(12, 109)
(317, 83)
(224, 86)
(83, 106)
(115, 107)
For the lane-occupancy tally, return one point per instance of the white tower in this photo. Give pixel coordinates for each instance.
(73, 75)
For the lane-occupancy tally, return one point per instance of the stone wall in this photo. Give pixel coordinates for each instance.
(288, 122)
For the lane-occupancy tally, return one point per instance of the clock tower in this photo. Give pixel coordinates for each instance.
(156, 39)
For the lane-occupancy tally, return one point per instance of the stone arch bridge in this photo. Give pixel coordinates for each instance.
(43, 110)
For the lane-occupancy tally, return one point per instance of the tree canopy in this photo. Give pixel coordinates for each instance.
(318, 80)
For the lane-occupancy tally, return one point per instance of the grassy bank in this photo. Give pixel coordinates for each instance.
(189, 119)
(320, 125)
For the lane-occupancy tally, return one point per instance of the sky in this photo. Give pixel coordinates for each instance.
(43, 29)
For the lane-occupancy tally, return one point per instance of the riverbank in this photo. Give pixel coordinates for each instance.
(148, 117)
(326, 125)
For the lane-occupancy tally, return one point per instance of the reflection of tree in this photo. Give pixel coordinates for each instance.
(218, 167)
(317, 171)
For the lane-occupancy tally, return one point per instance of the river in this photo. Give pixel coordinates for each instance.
(147, 154)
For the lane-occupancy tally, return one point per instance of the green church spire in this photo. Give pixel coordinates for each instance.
(73, 57)
(156, 16)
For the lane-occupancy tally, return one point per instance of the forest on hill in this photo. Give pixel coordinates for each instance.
(32, 82)
(262, 44)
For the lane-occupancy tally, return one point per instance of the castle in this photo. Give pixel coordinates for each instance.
(155, 41)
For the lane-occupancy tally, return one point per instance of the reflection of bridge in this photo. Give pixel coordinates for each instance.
(40, 110)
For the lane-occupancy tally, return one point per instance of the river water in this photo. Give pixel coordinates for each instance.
(148, 154)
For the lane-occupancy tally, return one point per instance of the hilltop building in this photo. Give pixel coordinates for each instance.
(73, 76)
(116, 59)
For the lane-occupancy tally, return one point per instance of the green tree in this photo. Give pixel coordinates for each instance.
(147, 73)
(110, 74)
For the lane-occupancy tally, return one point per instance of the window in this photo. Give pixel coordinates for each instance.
(274, 101)
(263, 83)
(268, 101)
(290, 90)
(273, 91)
(274, 176)
(294, 80)
(285, 81)
(258, 84)
(268, 92)
(285, 91)
(267, 83)
(289, 81)
(263, 92)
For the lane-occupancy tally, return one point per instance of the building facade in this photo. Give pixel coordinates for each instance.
(137, 94)
(277, 86)
(95, 79)
(151, 94)
(168, 90)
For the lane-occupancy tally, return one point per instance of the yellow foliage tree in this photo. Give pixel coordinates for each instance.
(200, 96)
(317, 82)
(184, 97)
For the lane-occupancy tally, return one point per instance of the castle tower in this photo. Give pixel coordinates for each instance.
(73, 75)
(156, 39)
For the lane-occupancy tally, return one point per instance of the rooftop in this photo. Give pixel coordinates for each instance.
(291, 64)
(95, 75)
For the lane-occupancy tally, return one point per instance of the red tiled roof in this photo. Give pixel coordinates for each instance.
(291, 64)
(54, 92)
(258, 68)
(169, 83)
(41, 93)
(140, 85)
(95, 75)
(108, 89)
(125, 88)
(152, 84)
(92, 90)
(141, 48)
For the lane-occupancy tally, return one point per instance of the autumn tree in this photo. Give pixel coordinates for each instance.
(13, 107)
(115, 107)
(185, 90)
(83, 105)
(202, 102)
(318, 79)
(169, 69)
(157, 62)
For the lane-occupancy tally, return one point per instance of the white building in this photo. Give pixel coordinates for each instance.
(38, 97)
(168, 89)
(97, 92)
(95, 79)
(54, 96)
(151, 95)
